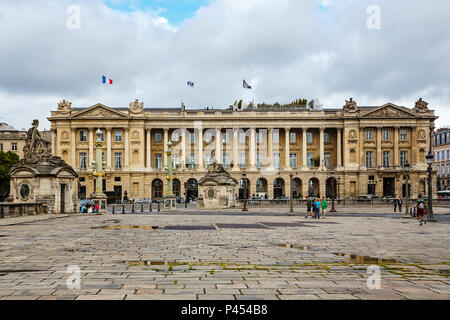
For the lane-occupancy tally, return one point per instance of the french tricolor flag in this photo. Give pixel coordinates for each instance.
(110, 81)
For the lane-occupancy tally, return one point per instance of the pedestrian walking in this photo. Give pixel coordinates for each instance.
(324, 206)
(317, 208)
(400, 202)
(395, 204)
(97, 208)
(308, 207)
(420, 205)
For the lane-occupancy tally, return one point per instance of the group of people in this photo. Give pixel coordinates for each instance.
(88, 208)
(316, 205)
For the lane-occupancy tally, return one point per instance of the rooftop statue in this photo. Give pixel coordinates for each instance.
(35, 146)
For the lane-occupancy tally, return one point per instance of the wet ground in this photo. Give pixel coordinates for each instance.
(225, 255)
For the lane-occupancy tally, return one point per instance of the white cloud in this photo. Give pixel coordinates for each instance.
(286, 49)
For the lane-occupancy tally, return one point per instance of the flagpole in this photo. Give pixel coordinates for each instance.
(185, 95)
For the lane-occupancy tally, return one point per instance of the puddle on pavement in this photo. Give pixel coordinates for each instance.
(144, 263)
(355, 259)
(80, 250)
(112, 221)
(291, 246)
(118, 227)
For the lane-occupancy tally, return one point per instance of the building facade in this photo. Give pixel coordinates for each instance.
(12, 139)
(442, 158)
(355, 151)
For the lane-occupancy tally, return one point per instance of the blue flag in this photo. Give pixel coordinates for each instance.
(103, 79)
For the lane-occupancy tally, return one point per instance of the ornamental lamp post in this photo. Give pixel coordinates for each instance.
(244, 181)
(407, 168)
(333, 192)
(430, 158)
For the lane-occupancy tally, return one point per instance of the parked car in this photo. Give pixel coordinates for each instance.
(144, 201)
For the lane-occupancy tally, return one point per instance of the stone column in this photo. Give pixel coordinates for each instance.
(74, 143)
(166, 140)
(149, 149)
(200, 148)
(414, 150)
(253, 149)
(396, 152)
(183, 148)
(54, 142)
(362, 155)
(218, 145)
(287, 148)
(270, 149)
(91, 147)
(108, 148)
(127, 151)
(322, 148)
(339, 147)
(235, 149)
(379, 155)
(304, 149)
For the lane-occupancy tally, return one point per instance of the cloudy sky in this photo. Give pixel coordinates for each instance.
(286, 49)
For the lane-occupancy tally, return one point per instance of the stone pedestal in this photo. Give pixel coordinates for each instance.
(170, 202)
(102, 201)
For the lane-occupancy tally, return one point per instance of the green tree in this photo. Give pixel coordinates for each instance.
(7, 160)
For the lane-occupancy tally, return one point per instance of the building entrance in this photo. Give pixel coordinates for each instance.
(388, 187)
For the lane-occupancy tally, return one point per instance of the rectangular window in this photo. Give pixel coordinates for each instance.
(83, 161)
(386, 134)
(276, 160)
(226, 160)
(292, 137)
(14, 146)
(309, 137)
(191, 161)
(448, 154)
(158, 160)
(208, 137)
(259, 160)
(83, 135)
(310, 160)
(403, 134)
(225, 137)
(369, 134)
(442, 154)
(158, 137)
(386, 159)
(118, 160)
(276, 137)
(369, 159)
(259, 137)
(191, 137)
(327, 160)
(175, 136)
(293, 160)
(176, 161)
(241, 137)
(102, 136)
(326, 137)
(242, 160)
(118, 135)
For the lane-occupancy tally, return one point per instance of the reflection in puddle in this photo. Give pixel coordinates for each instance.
(353, 258)
(126, 227)
(288, 245)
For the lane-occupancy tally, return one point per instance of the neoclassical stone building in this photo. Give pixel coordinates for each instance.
(362, 148)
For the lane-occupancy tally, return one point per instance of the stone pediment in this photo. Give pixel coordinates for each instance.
(99, 111)
(389, 110)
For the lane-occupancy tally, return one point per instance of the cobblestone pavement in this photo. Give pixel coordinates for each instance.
(224, 256)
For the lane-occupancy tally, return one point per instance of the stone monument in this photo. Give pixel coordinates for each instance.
(98, 166)
(43, 178)
(216, 188)
(170, 200)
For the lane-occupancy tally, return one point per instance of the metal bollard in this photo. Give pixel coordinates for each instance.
(150, 207)
(142, 207)
(113, 212)
(132, 208)
(123, 209)
(159, 208)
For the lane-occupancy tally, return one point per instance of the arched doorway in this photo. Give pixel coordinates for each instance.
(330, 184)
(261, 188)
(176, 187)
(157, 189)
(278, 188)
(314, 187)
(241, 188)
(191, 189)
(297, 188)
